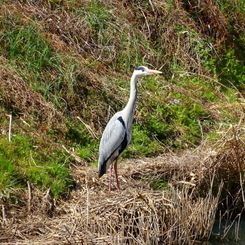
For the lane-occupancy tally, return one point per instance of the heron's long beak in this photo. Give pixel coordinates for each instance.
(153, 71)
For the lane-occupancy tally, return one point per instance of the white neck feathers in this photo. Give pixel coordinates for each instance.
(128, 111)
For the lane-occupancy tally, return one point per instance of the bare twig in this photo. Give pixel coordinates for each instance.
(10, 127)
(88, 128)
(77, 158)
(29, 197)
(4, 215)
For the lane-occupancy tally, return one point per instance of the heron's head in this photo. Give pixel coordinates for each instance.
(143, 71)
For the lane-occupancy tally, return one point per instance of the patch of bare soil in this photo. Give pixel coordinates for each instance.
(135, 215)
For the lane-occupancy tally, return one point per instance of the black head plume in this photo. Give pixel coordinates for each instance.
(142, 68)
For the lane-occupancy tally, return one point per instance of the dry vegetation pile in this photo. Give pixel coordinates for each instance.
(21, 99)
(211, 21)
(137, 214)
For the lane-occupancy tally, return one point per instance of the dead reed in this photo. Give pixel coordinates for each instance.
(197, 185)
(136, 215)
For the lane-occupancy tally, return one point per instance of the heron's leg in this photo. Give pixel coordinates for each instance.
(115, 168)
(110, 178)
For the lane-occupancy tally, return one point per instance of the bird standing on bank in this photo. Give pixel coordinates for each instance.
(118, 131)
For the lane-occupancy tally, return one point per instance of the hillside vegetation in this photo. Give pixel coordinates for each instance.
(65, 68)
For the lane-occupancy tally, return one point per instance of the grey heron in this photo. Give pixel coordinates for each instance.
(118, 131)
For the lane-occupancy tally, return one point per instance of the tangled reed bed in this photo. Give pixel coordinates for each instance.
(132, 218)
(181, 211)
(136, 215)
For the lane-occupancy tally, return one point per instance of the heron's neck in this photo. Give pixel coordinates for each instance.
(130, 107)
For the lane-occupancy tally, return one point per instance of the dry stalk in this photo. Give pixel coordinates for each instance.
(29, 197)
(10, 127)
(88, 128)
(88, 202)
(4, 215)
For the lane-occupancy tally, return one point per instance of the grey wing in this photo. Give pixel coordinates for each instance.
(113, 141)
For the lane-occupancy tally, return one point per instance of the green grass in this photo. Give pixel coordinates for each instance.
(227, 6)
(22, 160)
(30, 53)
(159, 184)
(27, 46)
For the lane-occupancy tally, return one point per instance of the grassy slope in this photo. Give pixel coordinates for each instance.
(65, 61)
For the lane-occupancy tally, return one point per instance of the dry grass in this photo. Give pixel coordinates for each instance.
(21, 99)
(182, 212)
